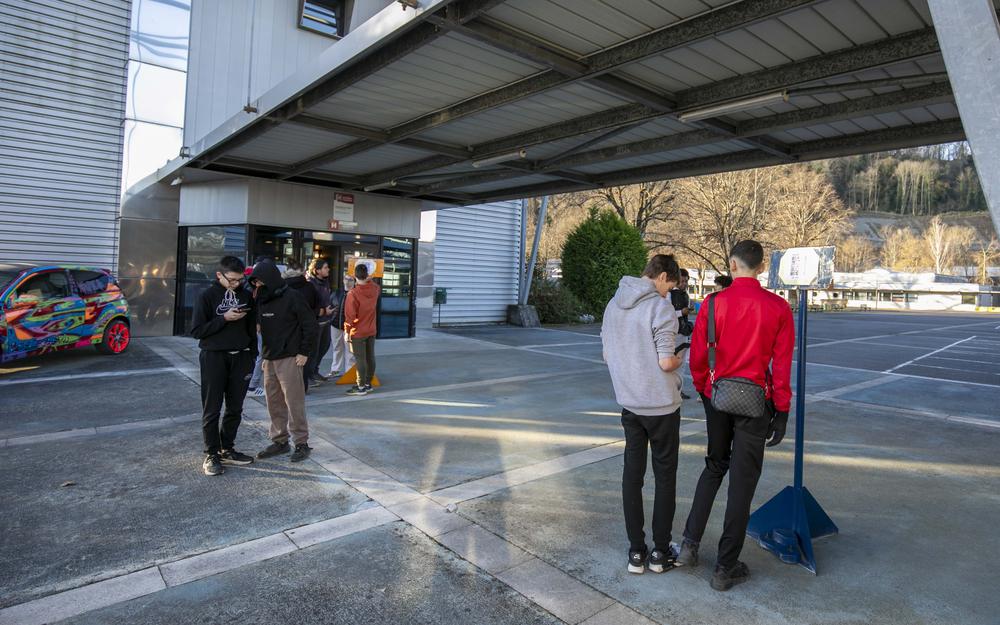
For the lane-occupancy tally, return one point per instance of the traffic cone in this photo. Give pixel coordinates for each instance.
(351, 377)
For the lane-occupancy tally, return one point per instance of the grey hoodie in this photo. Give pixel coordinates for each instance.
(639, 329)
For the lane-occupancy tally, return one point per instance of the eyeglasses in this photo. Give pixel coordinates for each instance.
(233, 280)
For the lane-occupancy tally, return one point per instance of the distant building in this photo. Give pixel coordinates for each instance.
(881, 289)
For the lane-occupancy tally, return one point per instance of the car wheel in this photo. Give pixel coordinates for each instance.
(116, 339)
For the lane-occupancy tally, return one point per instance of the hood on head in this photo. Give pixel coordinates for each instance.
(632, 291)
(367, 291)
(266, 272)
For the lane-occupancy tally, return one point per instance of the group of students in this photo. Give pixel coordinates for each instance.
(270, 330)
(742, 333)
(744, 336)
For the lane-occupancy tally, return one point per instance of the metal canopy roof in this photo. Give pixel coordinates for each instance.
(592, 91)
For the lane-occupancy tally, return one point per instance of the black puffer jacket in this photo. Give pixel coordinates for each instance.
(297, 282)
(288, 325)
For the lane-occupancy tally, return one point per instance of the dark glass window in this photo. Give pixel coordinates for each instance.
(46, 286)
(91, 282)
(6, 277)
(203, 248)
(397, 287)
(325, 17)
(206, 245)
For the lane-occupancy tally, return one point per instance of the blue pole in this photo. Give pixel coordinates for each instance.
(800, 389)
(769, 525)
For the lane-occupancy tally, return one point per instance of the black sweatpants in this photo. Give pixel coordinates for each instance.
(736, 445)
(322, 347)
(662, 434)
(224, 379)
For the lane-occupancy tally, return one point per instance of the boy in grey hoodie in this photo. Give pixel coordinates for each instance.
(639, 334)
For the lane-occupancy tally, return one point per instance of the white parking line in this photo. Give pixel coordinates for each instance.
(544, 345)
(905, 375)
(956, 369)
(86, 376)
(941, 349)
(570, 356)
(978, 362)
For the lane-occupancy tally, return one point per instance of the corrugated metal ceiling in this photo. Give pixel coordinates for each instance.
(460, 92)
(290, 143)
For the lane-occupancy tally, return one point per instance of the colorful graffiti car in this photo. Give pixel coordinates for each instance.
(50, 308)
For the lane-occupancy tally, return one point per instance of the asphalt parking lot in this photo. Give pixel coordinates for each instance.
(481, 482)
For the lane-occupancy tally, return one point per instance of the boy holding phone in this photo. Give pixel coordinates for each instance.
(226, 329)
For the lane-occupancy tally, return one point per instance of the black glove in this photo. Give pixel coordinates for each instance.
(776, 429)
(681, 348)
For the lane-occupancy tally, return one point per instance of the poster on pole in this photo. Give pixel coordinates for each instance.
(809, 267)
(376, 266)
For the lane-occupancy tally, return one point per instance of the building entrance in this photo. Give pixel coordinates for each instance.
(201, 247)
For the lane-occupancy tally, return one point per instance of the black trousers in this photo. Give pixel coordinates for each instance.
(322, 347)
(736, 445)
(662, 434)
(224, 379)
(364, 358)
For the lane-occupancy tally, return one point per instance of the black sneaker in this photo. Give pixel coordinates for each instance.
(231, 456)
(301, 452)
(357, 390)
(212, 465)
(689, 554)
(369, 388)
(636, 561)
(320, 378)
(274, 449)
(661, 560)
(723, 579)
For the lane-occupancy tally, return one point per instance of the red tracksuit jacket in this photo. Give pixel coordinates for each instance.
(754, 330)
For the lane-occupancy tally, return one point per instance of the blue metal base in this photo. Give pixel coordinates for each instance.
(788, 523)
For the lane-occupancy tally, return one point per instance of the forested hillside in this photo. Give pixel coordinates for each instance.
(915, 181)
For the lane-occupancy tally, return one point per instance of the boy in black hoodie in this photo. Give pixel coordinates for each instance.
(288, 330)
(227, 335)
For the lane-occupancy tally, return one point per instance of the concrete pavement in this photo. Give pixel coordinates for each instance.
(483, 482)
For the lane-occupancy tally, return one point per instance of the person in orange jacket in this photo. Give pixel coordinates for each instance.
(359, 325)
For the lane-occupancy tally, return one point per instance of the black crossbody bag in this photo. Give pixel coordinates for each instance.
(738, 396)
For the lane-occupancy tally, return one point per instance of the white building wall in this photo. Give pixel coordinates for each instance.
(62, 99)
(242, 48)
(290, 205)
(476, 256)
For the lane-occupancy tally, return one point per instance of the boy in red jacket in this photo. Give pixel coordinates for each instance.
(359, 325)
(754, 340)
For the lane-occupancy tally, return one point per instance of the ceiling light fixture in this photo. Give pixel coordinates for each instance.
(381, 185)
(734, 107)
(501, 158)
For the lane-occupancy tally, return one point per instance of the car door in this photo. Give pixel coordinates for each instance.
(98, 293)
(42, 313)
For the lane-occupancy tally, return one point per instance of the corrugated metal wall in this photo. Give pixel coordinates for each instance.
(476, 258)
(62, 100)
(221, 75)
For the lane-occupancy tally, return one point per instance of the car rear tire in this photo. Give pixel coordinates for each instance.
(116, 339)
